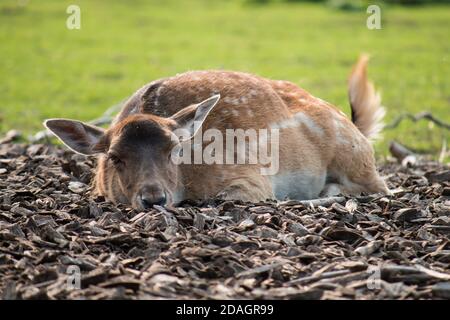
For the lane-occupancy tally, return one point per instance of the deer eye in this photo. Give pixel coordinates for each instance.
(115, 160)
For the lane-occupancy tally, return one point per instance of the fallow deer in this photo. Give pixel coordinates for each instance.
(321, 152)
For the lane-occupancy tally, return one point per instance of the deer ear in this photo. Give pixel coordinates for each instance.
(191, 118)
(78, 136)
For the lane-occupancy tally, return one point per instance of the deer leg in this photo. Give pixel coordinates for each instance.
(330, 190)
(246, 190)
(377, 185)
(347, 186)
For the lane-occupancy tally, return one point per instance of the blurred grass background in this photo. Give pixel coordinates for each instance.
(47, 70)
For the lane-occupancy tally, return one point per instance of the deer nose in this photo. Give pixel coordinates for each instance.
(152, 195)
(150, 202)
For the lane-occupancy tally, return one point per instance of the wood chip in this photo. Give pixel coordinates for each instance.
(332, 248)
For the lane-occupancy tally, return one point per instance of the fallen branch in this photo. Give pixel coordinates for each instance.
(392, 272)
(433, 273)
(403, 155)
(258, 270)
(422, 115)
(443, 152)
(324, 275)
(315, 202)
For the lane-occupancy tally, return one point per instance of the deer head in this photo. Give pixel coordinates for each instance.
(135, 154)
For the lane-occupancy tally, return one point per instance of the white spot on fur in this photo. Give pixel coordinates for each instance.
(236, 101)
(308, 122)
(232, 101)
(338, 123)
(253, 93)
(298, 119)
(289, 123)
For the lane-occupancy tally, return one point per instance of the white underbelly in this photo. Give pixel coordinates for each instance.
(298, 185)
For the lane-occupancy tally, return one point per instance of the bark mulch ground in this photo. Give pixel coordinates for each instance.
(371, 247)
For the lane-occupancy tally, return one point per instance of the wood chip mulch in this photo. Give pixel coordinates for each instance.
(370, 247)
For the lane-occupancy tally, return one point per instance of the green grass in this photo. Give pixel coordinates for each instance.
(48, 71)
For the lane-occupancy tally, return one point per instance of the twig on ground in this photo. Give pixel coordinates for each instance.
(422, 115)
(315, 202)
(444, 151)
(403, 155)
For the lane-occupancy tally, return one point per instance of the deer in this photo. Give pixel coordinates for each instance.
(321, 152)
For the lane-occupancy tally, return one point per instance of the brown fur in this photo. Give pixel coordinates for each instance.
(321, 150)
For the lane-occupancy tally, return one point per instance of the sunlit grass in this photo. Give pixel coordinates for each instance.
(47, 70)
